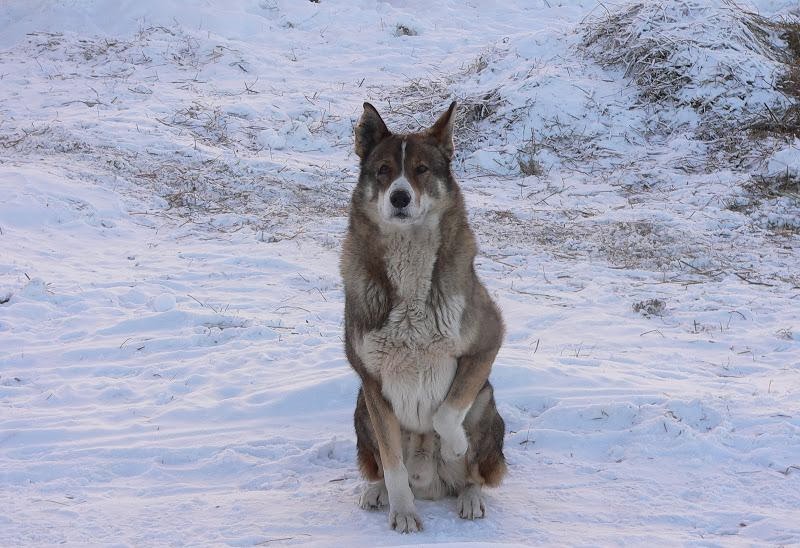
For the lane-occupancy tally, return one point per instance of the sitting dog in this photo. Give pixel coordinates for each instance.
(421, 330)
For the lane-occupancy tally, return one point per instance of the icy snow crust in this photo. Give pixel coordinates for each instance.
(174, 184)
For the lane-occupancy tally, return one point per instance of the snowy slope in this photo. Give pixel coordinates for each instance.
(174, 183)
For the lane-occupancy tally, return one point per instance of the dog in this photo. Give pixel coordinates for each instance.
(421, 330)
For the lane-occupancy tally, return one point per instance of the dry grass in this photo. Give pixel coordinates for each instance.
(785, 185)
(771, 202)
(207, 124)
(740, 75)
(658, 44)
(416, 105)
(213, 166)
(576, 146)
(735, 69)
(221, 193)
(150, 45)
(643, 244)
(785, 121)
(650, 307)
(205, 191)
(529, 165)
(774, 202)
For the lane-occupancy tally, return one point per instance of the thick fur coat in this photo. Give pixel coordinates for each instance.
(421, 330)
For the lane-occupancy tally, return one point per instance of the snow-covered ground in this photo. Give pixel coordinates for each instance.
(174, 182)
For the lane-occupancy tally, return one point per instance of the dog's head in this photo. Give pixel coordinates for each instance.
(405, 180)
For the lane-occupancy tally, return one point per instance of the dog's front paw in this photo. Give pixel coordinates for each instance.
(405, 521)
(374, 496)
(447, 423)
(470, 503)
(455, 445)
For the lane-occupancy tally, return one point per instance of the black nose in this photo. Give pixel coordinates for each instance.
(400, 199)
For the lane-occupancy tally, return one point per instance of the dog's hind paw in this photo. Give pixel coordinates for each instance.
(470, 503)
(405, 522)
(374, 496)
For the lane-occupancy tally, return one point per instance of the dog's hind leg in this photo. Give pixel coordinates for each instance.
(402, 513)
(374, 495)
(486, 430)
(369, 461)
(486, 464)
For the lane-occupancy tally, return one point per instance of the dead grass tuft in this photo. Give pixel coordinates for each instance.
(786, 185)
(641, 244)
(771, 202)
(786, 121)
(650, 307)
(529, 165)
(208, 124)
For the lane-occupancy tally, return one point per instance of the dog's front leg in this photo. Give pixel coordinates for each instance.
(402, 514)
(472, 372)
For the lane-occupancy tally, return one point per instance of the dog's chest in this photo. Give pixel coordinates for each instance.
(414, 352)
(416, 384)
(409, 258)
(420, 315)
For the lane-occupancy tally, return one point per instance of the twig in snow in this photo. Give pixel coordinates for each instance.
(751, 282)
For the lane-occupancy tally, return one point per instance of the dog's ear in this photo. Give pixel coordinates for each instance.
(442, 131)
(369, 131)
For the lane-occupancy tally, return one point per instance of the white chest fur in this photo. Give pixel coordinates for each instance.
(418, 387)
(414, 352)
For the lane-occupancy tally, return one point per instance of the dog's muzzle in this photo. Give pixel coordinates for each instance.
(398, 205)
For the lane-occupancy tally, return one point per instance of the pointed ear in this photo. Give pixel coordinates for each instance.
(369, 131)
(442, 130)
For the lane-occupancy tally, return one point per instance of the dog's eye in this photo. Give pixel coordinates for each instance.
(421, 169)
(383, 170)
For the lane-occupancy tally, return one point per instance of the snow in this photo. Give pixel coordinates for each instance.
(175, 180)
(785, 161)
